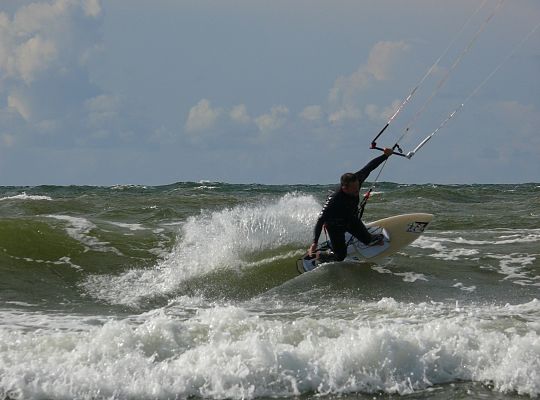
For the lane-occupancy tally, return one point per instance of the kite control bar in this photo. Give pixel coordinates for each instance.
(396, 146)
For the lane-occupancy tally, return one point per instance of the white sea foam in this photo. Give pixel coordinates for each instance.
(24, 196)
(32, 321)
(443, 252)
(515, 267)
(454, 254)
(20, 303)
(124, 187)
(461, 286)
(411, 276)
(212, 241)
(60, 261)
(407, 276)
(80, 229)
(230, 352)
(131, 227)
(496, 237)
(205, 187)
(458, 246)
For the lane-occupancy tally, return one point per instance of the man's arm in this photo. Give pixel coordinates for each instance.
(320, 222)
(318, 229)
(316, 235)
(373, 164)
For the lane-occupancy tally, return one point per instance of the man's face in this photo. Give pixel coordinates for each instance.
(352, 188)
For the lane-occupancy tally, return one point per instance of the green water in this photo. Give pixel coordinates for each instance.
(196, 287)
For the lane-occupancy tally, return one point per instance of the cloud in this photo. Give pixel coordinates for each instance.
(202, 117)
(92, 8)
(346, 112)
(31, 57)
(43, 79)
(112, 119)
(102, 109)
(382, 58)
(39, 35)
(17, 103)
(344, 95)
(38, 16)
(378, 114)
(274, 120)
(312, 113)
(239, 114)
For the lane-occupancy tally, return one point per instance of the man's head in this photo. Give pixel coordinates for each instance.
(350, 184)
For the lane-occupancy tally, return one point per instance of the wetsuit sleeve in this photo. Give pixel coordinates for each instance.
(318, 229)
(370, 166)
(322, 218)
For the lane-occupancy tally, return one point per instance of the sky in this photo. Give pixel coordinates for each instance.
(273, 92)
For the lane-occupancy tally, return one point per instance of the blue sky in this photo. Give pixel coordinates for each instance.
(154, 92)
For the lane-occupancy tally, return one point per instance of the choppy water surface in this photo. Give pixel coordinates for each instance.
(191, 290)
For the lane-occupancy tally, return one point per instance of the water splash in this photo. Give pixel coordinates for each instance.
(212, 241)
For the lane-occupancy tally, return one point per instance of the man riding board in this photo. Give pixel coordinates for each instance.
(340, 214)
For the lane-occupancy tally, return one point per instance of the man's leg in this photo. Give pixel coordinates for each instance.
(359, 231)
(339, 247)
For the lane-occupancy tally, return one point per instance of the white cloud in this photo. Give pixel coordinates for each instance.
(18, 104)
(102, 102)
(92, 8)
(343, 97)
(102, 109)
(39, 17)
(43, 35)
(40, 47)
(49, 127)
(378, 114)
(33, 56)
(202, 117)
(347, 112)
(239, 114)
(39, 34)
(312, 113)
(382, 58)
(274, 120)
(10, 122)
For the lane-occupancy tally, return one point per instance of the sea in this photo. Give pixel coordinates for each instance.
(190, 290)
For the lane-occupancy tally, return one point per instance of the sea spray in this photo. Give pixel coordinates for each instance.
(211, 241)
(232, 352)
(98, 299)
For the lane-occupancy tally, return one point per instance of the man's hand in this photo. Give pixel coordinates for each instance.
(388, 152)
(312, 249)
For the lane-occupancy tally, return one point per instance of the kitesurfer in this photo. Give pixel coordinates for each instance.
(340, 214)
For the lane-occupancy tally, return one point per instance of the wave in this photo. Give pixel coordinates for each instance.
(496, 236)
(79, 229)
(509, 252)
(24, 196)
(214, 241)
(231, 352)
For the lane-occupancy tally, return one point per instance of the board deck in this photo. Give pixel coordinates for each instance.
(399, 231)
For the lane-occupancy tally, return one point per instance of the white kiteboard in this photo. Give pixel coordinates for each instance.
(398, 231)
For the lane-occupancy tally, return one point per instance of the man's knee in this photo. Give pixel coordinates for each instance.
(359, 231)
(340, 254)
(339, 247)
(340, 258)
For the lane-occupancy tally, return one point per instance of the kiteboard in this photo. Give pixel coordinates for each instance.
(398, 231)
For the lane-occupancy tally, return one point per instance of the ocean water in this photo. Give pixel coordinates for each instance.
(191, 290)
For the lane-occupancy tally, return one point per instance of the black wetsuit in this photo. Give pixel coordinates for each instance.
(340, 215)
